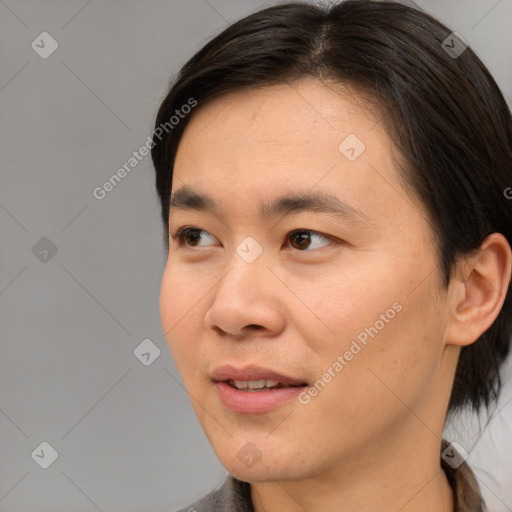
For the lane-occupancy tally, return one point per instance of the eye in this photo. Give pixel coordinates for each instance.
(304, 238)
(189, 236)
(301, 238)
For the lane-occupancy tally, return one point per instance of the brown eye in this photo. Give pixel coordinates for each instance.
(302, 239)
(190, 237)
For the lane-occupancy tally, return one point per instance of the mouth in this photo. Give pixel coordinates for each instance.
(258, 385)
(254, 377)
(253, 389)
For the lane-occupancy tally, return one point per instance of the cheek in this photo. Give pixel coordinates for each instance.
(169, 299)
(390, 362)
(387, 324)
(180, 314)
(346, 305)
(180, 295)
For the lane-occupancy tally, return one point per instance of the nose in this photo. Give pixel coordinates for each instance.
(248, 298)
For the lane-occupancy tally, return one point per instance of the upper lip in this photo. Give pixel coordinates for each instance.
(252, 372)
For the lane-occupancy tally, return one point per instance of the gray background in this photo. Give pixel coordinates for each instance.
(127, 438)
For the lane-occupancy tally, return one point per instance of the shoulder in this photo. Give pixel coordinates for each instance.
(231, 496)
(212, 502)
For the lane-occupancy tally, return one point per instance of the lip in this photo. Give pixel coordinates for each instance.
(254, 402)
(252, 372)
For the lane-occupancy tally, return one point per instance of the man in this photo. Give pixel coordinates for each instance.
(339, 255)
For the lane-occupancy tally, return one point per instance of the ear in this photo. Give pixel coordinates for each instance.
(477, 290)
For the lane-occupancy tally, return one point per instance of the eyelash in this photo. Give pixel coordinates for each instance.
(182, 232)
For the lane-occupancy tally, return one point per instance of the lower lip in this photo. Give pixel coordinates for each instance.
(254, 402)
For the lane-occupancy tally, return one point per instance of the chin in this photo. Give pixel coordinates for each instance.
(260, 472)
(268, 464)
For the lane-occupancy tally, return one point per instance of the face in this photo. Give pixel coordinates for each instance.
(334, 308)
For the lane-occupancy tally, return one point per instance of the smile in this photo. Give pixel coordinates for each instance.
(256, 385)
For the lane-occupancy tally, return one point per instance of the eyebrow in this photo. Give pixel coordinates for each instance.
(186, 198)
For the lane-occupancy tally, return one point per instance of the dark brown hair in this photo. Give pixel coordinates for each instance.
(444, 113)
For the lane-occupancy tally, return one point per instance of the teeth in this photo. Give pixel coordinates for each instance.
(240, 384)
(254, 384)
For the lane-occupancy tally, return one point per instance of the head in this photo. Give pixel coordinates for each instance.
(397, 302)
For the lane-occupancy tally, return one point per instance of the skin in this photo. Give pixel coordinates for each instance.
(370, 440)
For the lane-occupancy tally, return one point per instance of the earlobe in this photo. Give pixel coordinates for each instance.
(479, 290)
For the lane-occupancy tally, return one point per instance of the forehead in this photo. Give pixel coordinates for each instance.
(280, 127)
(305, 135)
(288, 117)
